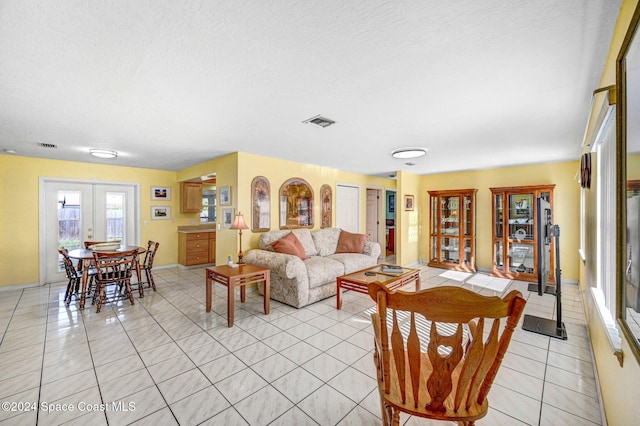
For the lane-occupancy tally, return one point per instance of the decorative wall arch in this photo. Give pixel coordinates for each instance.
(296, 204)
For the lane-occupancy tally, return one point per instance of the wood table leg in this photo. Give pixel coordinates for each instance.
(267, 293)
(418, 281)
(209, 292)
(85, 279)
(243, 293)
(230, 297)
(338, 295)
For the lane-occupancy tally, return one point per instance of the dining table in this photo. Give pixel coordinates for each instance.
(86, 256)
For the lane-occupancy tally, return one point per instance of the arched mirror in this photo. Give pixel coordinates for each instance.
(296, 204)
(628, 197)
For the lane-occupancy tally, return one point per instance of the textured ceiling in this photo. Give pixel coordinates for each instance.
(169, 84)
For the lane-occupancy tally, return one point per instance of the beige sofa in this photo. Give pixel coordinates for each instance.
(298, 282)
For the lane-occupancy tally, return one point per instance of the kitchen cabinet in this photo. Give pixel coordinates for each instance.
(453, 229)
(191, 201)
(196, 248)
(515, 244)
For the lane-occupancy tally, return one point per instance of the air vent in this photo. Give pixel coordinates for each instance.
(47, 145)
(319, 121)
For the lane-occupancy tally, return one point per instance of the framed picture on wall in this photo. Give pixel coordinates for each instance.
(160, 212)
(408, 202)
(225, 195)
(227, 217)
(160, 193)
(392, 203)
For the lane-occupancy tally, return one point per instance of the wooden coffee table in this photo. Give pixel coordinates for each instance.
(237, 277)
(359, 282)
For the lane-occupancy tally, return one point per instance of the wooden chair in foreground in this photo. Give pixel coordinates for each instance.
(443, 371)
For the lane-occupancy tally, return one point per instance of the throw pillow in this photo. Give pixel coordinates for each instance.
(289, 244)
(350, 243)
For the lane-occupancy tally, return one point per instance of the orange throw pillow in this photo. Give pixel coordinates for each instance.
(350, 243)
(289, 244)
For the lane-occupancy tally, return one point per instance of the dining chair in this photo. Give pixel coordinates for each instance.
(147, 265)
(114, 269)
(74, 276)
(437, 351)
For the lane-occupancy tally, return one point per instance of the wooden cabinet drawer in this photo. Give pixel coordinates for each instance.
(197, 258)
(199, 236)
(197, 246)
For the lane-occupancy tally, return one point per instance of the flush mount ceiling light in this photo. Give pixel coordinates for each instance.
(319, 121)
(103, 153)
(405, 153)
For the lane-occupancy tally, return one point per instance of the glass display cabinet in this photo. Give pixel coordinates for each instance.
(514, 232)
(453, 229)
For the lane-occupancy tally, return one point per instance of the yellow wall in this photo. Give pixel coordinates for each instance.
(19, 210)
(277, 171)
(566, 205)
(618, 384)
(409, 226)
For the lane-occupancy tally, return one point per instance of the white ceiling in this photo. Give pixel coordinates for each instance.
(169, 84)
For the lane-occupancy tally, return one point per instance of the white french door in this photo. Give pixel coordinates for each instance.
(75, 212)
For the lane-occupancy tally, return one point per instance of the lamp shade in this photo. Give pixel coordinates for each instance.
(239, 222)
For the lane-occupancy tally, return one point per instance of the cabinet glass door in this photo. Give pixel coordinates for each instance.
(498, 216)
(521, 257)
(449, 250)
(434, 249)
(499, 254)
(467, 216)
(521, 217)
(449, 213)
(467, 252)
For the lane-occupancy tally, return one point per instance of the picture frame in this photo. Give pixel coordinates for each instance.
(160, 193)
(409, 204)
(260, 204)
(160, 212)
(225, 195)
(227, 217)
(392, 202)
(326, 203)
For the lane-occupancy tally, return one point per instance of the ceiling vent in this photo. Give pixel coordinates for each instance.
(319, 121)
(47, 145)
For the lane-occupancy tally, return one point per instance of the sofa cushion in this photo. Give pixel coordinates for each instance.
(326, 240)
(322, 270)
(268, 237)
(352, 261)
(289, 244)
(304, 235)
(350, 243)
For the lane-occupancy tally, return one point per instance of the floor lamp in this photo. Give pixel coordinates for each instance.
(239, 224)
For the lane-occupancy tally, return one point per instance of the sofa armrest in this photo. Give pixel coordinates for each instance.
(372, 249)
(285, 265)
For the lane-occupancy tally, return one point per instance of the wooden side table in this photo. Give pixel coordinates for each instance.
(237, 277)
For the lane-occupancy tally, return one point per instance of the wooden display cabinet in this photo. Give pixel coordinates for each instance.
(453, 229)
(515, 244)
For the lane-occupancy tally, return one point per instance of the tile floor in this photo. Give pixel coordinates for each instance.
(166, 361)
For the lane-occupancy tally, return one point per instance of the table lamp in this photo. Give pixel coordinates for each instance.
(239, 224)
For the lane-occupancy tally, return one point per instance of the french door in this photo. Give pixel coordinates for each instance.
(75, 212)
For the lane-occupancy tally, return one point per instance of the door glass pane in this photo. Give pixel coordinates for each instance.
(521, 258)
(434, 215)
(466, 216)
(68, 222)
(521, 216)
(434, 249)
(499, 216)
(115, 208)
(449, 251)
(449, 212)
(499, 254)
(467, 252)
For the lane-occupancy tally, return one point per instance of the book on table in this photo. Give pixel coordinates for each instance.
(391, 269)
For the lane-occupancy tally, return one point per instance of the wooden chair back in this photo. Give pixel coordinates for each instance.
(114, 268)
(437, 351)
(150, 254)
(69, 269)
